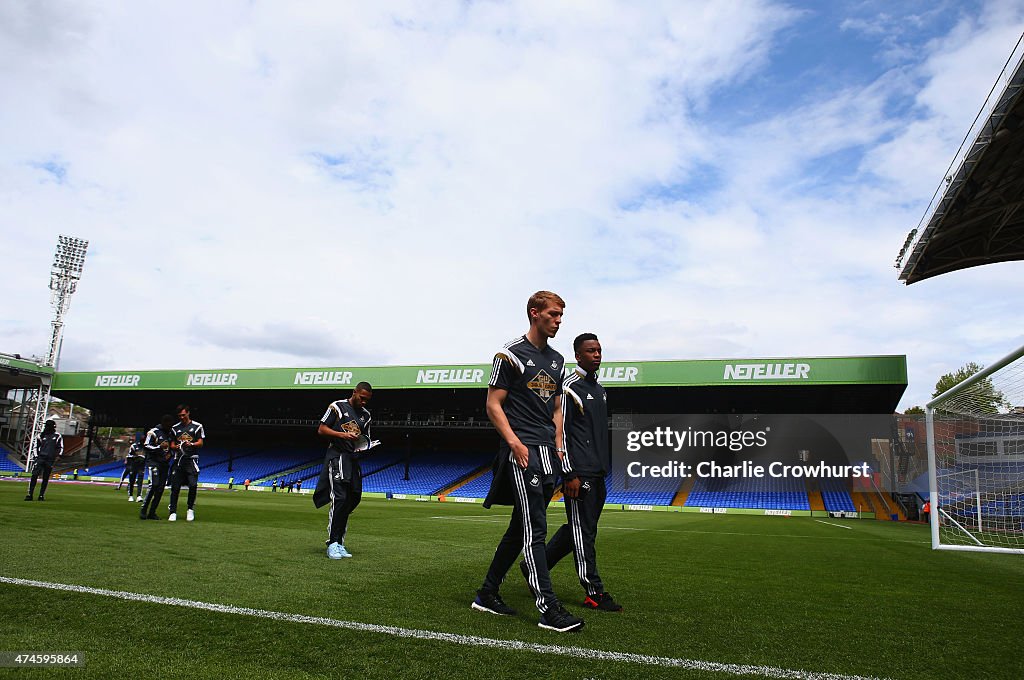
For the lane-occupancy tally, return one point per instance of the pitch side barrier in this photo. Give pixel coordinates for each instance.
(628, 507)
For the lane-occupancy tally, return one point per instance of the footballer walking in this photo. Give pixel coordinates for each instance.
(524, 404)
(135, 467)
(190, 437)
(160, 445)
(346, 426)
(585, 465)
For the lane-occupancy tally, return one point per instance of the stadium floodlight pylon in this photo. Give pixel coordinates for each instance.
(976, 460)
(68, 262)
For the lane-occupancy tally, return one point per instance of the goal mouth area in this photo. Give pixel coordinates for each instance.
(976, 460)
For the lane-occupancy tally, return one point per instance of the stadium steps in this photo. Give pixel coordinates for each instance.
(465, 480)
(871, 501)
(862, 501)
(895, 509)
(814, 498)
(886, 509)
(302, 474)
(684, 492)
(286, 471)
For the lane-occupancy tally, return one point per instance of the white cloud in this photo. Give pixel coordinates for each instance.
(388, 182)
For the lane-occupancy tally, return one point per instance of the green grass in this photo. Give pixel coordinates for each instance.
(784, 592)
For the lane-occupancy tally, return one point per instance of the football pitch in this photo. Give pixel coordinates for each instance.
(246, 591)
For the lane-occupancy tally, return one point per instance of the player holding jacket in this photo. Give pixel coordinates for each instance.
(524, 403)
(586, 463)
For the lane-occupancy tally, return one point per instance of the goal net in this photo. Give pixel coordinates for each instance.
(976, 460)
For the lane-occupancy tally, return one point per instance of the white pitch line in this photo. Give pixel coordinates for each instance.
(832, 524)
(469, 640)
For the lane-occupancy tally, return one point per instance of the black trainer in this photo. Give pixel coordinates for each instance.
(559, 620)
(28, 498)
(41, 498)
(602, 601)
(492, 604)
(526, 575)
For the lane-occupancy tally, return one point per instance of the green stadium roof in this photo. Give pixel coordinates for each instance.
(871, 370)
(17, 372)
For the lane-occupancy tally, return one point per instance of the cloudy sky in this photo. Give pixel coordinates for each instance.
(326, 183)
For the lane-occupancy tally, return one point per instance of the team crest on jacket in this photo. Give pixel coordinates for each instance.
(543, 385)
(535, 481)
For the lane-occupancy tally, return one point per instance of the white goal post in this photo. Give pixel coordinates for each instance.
(976, 460)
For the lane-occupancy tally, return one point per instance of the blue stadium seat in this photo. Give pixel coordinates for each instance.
(755, 493)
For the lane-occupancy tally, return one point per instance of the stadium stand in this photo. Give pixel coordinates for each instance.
(428, 472)
(265, 465)
(7, 461)
(476, 488)
(644, 491)
(836, 496)
(379, 461)
(756, 493)
(112, 468)
(310, 470)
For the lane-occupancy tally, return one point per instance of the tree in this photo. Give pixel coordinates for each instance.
(986, 397)
(914, 411)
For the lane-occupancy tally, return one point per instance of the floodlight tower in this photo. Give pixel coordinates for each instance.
(64, 276)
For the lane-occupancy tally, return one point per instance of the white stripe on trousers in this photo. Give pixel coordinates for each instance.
(545, 459)
(576, 526)
(330, 511)
(531, 565)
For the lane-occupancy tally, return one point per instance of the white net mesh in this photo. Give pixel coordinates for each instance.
(978, 436)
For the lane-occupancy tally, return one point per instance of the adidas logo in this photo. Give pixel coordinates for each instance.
(590, 396)
(529, 362)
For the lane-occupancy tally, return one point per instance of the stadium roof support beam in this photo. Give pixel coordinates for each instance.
(974, 216)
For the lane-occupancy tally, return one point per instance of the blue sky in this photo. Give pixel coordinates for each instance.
(375, 183)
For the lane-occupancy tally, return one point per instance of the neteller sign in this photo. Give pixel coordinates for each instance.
(434, 376)
(767, 371)
(117, 380)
